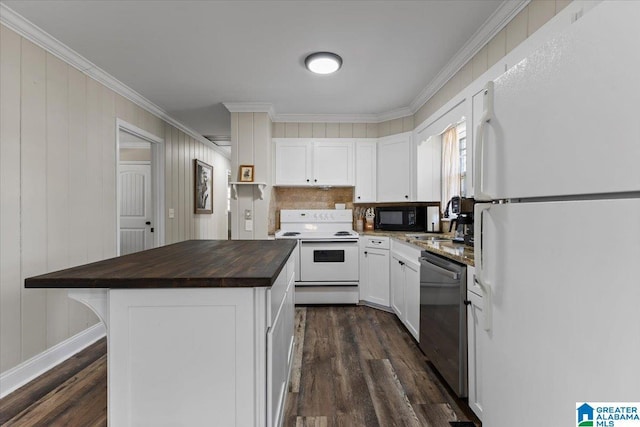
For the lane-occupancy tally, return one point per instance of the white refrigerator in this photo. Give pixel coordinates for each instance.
(557, 223)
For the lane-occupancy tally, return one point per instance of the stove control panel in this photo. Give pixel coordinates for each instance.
(316, 215)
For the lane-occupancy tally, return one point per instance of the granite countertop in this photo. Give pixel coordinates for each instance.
(189, 264)
(455, 251)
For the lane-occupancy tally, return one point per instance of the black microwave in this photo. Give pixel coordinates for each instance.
(401, 218)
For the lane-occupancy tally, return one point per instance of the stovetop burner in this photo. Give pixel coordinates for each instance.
(291, 233)
(343, 233)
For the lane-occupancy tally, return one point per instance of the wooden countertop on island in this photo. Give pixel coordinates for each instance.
(188, 264)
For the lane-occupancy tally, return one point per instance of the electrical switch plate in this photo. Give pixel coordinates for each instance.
(172, 213)
(248, 225)
(247, 214)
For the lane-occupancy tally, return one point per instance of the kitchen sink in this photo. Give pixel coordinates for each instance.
(428, 238)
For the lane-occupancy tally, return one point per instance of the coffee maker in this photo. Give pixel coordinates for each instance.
(463, 207)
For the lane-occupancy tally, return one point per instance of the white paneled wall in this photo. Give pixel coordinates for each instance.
(251, 145)
(58, 189)
(180, 151)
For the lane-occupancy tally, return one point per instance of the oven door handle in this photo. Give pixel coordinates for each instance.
(320, 241)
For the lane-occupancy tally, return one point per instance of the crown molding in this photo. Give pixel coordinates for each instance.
(342, 118)
(492, 26)
(250, 107)
(325, 118)
(394, 114)
(31, 32)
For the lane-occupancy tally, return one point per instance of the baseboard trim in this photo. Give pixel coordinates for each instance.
(20, 375)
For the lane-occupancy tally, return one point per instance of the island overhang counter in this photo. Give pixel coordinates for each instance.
(198, 332)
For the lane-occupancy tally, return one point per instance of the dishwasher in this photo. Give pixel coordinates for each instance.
(443, 318)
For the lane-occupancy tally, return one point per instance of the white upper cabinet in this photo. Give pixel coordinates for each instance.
(304, 161)
(292, 162)
(395, 169)
(429, 164)
(366, 170)
(333, 162)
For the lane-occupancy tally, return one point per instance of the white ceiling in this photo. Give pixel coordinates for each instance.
(189, 57)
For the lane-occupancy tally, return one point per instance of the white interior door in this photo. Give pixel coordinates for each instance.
(136, 213)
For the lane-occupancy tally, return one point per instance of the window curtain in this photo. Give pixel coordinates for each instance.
(450, 165)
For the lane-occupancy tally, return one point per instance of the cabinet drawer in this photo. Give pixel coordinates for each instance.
(276, 296)
(376, 242)
(407, 250)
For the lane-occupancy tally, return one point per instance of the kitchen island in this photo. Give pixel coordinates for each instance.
(199, 332)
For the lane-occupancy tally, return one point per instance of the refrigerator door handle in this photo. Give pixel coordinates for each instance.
(484, 284)
(478, 167)
(487, 302)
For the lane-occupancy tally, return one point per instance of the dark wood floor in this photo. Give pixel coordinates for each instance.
(74, 393)
(353, 366)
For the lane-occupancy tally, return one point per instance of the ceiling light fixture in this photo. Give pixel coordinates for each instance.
(323, 62)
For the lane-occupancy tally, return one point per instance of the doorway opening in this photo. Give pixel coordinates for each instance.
(140, 189)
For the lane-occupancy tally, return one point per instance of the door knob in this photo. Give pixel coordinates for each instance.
(148, 222)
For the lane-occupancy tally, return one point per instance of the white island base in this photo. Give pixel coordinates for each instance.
(197, 356)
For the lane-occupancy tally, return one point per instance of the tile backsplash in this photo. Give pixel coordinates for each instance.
(306, 198)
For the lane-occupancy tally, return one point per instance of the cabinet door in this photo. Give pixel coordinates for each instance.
(394, 168)
(475, 336)
(396, 269)
(376, 263)
(428, 171)
(292, 165)
(276, 368)
(365, 171)
(333, 163)
(280, 343)
(412, 297)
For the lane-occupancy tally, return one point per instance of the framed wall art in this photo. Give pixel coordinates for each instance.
(203, 187)
(246, 173)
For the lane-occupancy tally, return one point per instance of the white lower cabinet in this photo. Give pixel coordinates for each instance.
(475, 319)
(412, 295)
(187, 356)
(374, 270)
(280, 343)
(397, 286)
(405, 285)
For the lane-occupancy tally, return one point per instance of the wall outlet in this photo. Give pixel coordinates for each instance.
(172, 213)
(248, 225)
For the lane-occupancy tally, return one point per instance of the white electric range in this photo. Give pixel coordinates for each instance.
(327, 254)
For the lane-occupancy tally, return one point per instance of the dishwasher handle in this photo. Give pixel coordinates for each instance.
(454, 275)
